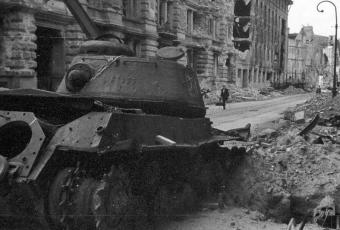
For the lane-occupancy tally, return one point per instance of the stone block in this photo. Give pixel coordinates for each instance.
(299, 117)
(31, 64)
(16, 54)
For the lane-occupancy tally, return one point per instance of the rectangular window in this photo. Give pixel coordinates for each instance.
(130, 8)
(212, 27)
(4, 84)
(189, 21)
(283, 27)
(135, 45)
(164, 12)
(161, 13)
(215, 70)
(192, 59)
(195, 21)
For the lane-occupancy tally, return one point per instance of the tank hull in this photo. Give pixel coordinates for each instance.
(161, 157)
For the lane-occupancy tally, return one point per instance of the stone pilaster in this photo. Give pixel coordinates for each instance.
(149, 47)
(74, 37)
(205, 62)
(18, 47)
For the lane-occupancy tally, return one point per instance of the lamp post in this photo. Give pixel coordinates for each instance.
(334, 91)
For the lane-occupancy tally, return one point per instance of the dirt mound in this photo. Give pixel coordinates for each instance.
(289, 174)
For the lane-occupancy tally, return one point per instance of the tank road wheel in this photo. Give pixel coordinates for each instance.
(114, 205)
(70, 200)
(56, 195)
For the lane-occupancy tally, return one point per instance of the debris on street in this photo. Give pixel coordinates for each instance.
(293, 90)
(292, 169)
(238, 94)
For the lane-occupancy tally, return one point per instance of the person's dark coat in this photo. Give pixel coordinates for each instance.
(224, 94)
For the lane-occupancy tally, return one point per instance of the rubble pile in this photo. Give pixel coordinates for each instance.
(293, 90)
(267, 91)
(237, 94)
(323, 104)
(290, 170)
(245, 94)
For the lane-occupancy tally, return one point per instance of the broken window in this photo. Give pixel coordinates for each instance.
(242, 25)
(130, 8)
(242, 7)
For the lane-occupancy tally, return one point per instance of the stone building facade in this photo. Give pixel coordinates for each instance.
(261, 41)
(226, 41)
(306, 58)
(40, 37)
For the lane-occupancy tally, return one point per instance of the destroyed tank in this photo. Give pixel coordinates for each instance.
(122, 139)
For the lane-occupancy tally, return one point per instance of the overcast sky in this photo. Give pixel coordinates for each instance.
(303, 12)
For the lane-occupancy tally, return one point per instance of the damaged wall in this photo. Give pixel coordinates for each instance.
(260, 41)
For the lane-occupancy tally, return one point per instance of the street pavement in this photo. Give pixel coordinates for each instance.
(256, 113)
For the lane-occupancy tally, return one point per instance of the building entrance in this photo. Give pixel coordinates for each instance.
(50, 58)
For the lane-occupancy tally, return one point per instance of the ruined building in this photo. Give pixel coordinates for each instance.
(306, 58)
(328, 70)
(240, 42)
(260, 39)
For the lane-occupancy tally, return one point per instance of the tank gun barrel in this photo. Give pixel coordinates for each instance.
(83, 19)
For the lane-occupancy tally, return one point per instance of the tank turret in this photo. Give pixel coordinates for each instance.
(105, 70)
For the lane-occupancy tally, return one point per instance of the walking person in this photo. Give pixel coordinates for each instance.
(224, 96)
(318, 90)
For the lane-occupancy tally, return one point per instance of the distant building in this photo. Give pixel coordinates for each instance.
(306, 58)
